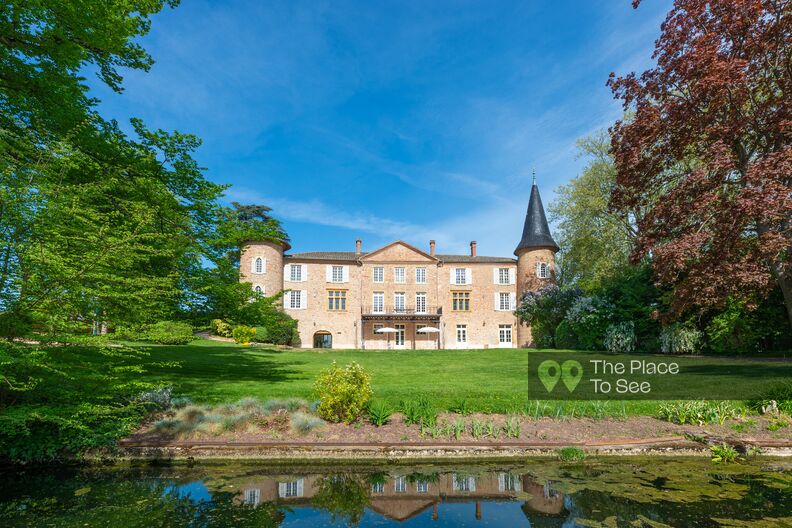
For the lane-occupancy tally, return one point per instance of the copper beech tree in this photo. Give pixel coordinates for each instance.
(706, 152)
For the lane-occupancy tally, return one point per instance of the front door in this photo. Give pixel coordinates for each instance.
(399, 342)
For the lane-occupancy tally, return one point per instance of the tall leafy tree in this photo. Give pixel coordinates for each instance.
(94, 224)
(596, 240)
(711, 131)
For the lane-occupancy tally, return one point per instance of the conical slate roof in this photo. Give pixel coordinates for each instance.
(536, 232)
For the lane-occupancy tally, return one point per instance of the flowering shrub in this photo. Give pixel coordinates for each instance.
(588, 319)
(544, 309)
(620, 338)
(343, 392)
(677, 339)
(244, 334)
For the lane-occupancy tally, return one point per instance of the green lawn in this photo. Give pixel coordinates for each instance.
(489, 380)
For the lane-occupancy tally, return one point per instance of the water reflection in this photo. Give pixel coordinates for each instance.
(607, 493)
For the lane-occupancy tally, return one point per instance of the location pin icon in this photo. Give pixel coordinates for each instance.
(549, 372)
(571, 373)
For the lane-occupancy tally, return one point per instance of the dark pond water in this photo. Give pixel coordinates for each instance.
(538, 493)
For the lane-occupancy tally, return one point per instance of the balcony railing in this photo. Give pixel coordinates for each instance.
(402, 310)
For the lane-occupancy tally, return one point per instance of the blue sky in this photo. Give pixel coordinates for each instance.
(389, 120)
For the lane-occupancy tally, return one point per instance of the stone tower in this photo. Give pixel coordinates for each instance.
(261, 264)
(535, 257)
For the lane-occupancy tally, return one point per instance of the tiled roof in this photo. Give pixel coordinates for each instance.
(325, 255)
(351, 256)
(468, 258)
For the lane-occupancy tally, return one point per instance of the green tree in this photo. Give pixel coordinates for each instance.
(596, 241)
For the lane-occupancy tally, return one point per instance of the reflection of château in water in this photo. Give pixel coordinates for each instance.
(403, 497)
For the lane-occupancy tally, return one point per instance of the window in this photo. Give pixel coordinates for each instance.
(379, 303)
(460, 301)
(464, 483)
(398, 302)
(460, 277)
(420, 275)
(258, 289)
(503, 276)
(337, 274)
(421, 486)
(509, 482)
(378, 327)
(336, 300)
(504, 301)
(542, 270)
(399, 335)
(505, 334)
(379, 274)
(252, 496)
(461, 333)
(295, 272)
(378, 487)
(258, 265)
(420, 303)
(296, 300)
(293, 488)
(400, 484)
(398, 275)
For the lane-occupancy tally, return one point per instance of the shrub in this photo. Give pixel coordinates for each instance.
(724, 453)
(379, 413)
(220, 328)
(262, 335)
(678, 339)
(243, 334)
(587, 320)
(620, 338)
(168, 333)
(565, 336)
(544, 309)
(159, 398)
(342, 392)
(305, 423)
(571, 454)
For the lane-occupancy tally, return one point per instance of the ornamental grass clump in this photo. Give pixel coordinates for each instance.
(304, 423)
(343, 392)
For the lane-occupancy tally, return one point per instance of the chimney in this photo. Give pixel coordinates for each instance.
(358, 242)
(431, 247)
(473, 248)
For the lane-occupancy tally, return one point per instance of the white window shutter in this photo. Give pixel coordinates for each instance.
(286, 272)
(300, 487)
(512, 301)
(303, 299)
(512, 276)
(329, 273)
(452, 273)
(497, 301)
(495, 275)
(345, 274)
(304, 273)
(287, 299)
(281, 489)
(253, 265)
(538, 265)
(468, 276)
(263, 265)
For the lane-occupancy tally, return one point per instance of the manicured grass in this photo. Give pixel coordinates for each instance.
(488, 380)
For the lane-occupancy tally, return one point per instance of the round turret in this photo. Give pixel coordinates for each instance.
(535, 257)
(261, 264)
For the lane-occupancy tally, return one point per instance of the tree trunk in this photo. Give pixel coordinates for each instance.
(785, 283)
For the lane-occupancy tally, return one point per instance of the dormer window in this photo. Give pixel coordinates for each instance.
(542, 270)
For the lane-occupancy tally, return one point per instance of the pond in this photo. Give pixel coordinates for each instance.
(604, 492)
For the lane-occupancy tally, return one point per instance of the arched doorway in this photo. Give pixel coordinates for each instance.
(323, 339)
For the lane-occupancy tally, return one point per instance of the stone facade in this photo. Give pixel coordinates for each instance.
(383, 298)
